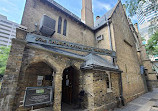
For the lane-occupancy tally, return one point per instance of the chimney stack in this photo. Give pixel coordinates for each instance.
(86, 13)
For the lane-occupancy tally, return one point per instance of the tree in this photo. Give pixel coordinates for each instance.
(4, 54)
(132, 6)
(152, 46)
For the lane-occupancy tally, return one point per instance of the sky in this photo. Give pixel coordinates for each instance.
(13, 9)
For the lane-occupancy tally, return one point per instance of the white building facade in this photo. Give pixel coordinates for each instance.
(7, 30)
(147, 15)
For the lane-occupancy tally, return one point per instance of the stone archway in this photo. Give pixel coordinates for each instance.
(70, 87)
(36, 70)
(38, 74)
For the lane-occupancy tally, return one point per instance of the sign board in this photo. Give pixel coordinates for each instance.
(33, 38)
(38, 96)
(40, 78)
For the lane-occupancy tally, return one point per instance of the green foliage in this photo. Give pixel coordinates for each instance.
(131, 6)
(152, 46)
(4, 53)
(143, 39)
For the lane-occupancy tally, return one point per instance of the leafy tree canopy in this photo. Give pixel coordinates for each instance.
(4, 53)
(132, 5)
(152, 46)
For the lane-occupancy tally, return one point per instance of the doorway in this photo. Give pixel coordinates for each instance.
(70, 86)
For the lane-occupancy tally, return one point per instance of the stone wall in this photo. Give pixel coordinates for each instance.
(23, 56)
(103, 98)
(106, 42)
(10, 80)
(57, 62)
(127, 58)
(153, 83)
(76, 33)
(150, 74)
(97, 95)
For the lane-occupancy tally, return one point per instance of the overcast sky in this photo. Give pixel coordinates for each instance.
(13, 9)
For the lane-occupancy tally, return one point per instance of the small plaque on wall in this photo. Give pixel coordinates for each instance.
(38, 96)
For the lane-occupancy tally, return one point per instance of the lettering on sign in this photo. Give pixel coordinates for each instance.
(37, 96)
(32, 38)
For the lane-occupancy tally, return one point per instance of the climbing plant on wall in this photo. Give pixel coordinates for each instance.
(4, 54)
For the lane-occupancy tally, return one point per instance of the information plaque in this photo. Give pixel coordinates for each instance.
(38, 96)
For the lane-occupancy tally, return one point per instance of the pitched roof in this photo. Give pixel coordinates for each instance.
(63, 9)
(104, 19)
(93, 61)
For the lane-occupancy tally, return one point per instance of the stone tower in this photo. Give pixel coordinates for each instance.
(86, 13)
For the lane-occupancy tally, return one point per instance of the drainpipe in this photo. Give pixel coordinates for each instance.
(110, 40)
(109, 35)
(113, 61)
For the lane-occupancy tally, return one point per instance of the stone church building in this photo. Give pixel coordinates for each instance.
(64, 55)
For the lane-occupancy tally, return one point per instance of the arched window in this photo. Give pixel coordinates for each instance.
(65, 27)
(59, 25)
(108, 82)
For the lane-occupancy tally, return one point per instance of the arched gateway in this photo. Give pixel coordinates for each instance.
(70, 87)
(38, 77)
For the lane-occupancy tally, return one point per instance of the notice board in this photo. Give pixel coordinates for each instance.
(38, 96)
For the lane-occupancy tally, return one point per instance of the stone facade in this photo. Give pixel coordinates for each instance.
(104, 88)
(11, 76)
(150, 74)
(81, 35)
(127, 58)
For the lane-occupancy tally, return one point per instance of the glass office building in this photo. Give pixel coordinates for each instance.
(7, 30)
(147, 15)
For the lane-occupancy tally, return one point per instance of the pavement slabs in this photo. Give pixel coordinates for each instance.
(146, 102)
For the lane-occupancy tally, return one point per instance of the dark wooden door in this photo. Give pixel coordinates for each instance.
(70, 86)
(67, 86)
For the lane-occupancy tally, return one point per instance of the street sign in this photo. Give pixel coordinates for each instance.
(33, 38)
(38, 96)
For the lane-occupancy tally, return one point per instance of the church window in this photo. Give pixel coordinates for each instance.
(65, 27)
(108, 82)
(59, 25)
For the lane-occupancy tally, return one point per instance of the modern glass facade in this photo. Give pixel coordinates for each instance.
(147, 15)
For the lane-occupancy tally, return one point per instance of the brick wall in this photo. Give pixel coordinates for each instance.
(76, 33)
(127, 58)
(10, 80)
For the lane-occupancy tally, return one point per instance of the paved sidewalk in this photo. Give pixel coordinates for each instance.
(146, 102)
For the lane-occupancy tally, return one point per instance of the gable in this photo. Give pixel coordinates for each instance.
(119, 19)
